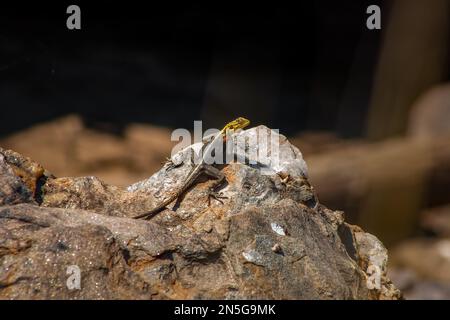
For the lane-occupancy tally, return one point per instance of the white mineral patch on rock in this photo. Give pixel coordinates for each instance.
(253, 256)
(273, 150)
(278, 229)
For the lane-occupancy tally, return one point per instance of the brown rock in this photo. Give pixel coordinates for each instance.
(190, 250)
(384, 186)
(430, 114)
(19, 178)
(428, 258)
(419, 267)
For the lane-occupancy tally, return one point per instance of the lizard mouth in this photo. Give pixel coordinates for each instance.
(243, 122)
(239, 123)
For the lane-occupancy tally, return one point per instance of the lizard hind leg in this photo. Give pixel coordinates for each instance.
(220, 181)
(168, 163)
(215, 195)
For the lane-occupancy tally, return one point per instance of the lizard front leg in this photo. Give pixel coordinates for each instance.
(170, 164)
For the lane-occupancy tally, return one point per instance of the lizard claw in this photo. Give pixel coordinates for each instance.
(167, 161)
(285, 177)
(215, 195)
(169, 164)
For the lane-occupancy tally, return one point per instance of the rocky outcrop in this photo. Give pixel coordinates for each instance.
(269, 238)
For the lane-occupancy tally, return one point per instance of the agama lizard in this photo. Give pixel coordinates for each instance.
(201, 167)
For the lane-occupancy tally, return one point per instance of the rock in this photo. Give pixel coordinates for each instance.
(35, 261)
(249, 188)
(437, 221)
(417, 288)
(419, 267)
(270, 239)
(429, 290)
(427, 258)
(430, 114)
(19, 178)
(384, 186)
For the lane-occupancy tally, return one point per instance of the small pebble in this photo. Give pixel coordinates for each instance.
(276, 248)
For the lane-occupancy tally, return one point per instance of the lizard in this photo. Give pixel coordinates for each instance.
(201, 167)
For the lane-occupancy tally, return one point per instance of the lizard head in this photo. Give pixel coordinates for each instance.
(239, 123)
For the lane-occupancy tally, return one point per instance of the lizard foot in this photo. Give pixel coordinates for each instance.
(170, 164)
(215, 195)
(167, 162)
(285, 178)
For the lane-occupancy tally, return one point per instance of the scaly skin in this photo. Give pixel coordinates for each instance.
(200, 168)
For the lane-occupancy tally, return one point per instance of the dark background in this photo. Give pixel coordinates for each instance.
(298, 67)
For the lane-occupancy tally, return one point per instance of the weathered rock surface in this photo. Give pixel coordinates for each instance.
(270, 239)
(19, 178)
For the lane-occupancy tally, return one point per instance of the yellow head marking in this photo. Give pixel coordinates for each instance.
(239, 123)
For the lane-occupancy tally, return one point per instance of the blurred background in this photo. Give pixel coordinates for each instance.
(369, 109)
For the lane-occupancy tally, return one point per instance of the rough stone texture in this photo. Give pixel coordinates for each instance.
(270, 239)
(19, 177)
